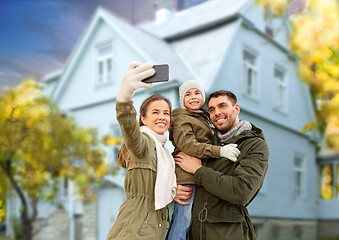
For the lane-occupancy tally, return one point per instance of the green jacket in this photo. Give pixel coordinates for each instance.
(137, 217)
(225, 188)
(191, 134)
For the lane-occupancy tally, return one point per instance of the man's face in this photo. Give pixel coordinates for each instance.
(223, 114)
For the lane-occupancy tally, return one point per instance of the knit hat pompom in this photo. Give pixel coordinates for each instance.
(187, 86)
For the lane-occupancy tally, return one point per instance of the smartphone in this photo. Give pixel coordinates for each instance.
(161, 74)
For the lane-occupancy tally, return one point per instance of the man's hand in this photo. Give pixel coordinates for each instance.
(183, 193)
(188, 163)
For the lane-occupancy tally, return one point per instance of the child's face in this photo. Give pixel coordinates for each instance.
(193, 99)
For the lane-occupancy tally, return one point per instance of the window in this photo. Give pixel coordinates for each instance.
(297, 233)
(63, 187)
(299, 177)
(116, 133)
(250, 68)
(105, 63)
(279, 76)
(329, 179)
(326, 181)
(275, 232)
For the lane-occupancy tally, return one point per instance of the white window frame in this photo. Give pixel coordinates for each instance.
(64, 187)
(299, 191)
(116, 148)
(281, 88)
(251, 89)
(103, 58)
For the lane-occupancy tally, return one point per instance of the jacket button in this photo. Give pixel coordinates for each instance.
(222, 144)
(146, 222)
(159, 225)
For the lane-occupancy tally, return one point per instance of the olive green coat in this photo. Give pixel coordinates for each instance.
(225, 188)
(137, 217)
(191, 134)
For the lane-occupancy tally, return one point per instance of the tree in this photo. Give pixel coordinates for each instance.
(2, 198)
(315, 40)
(39, 145)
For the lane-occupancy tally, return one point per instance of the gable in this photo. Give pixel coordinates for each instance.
(231, 76)
(78, 87)
(82, 87)
(203, 52)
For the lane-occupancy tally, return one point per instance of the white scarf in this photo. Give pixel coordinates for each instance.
(166, 182)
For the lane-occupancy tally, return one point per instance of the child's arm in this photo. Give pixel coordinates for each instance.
(184, 138)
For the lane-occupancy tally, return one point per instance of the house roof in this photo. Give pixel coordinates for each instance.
(52, 76)
(151, 48)
(156, 50)
(194, 19)
(204, 52)
(151, 41)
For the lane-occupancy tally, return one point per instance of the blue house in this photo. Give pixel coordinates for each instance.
(224, 44)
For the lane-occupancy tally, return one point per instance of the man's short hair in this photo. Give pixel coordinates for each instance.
(219, 93)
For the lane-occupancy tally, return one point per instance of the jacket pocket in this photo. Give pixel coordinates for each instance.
(149, 225)
(225, 213)
(145, 224)
(225, 225)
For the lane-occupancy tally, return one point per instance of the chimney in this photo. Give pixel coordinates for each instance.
(163, 10)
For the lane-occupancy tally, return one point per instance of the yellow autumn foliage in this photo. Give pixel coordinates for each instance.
(315, 40)
(111, 140)
(2, 200)
(39, 145)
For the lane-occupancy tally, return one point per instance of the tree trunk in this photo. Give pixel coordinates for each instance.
(26, 224)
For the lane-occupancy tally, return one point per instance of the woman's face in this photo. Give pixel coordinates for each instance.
(158, 116)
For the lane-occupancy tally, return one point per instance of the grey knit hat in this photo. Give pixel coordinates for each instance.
(187, 86)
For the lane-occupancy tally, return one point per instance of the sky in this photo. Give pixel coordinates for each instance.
(37, 36)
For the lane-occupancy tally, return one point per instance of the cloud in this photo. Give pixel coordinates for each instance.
(26, 67)
(38, 36)
(9, 79)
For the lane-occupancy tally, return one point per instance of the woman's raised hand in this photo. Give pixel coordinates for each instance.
(132, 80)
